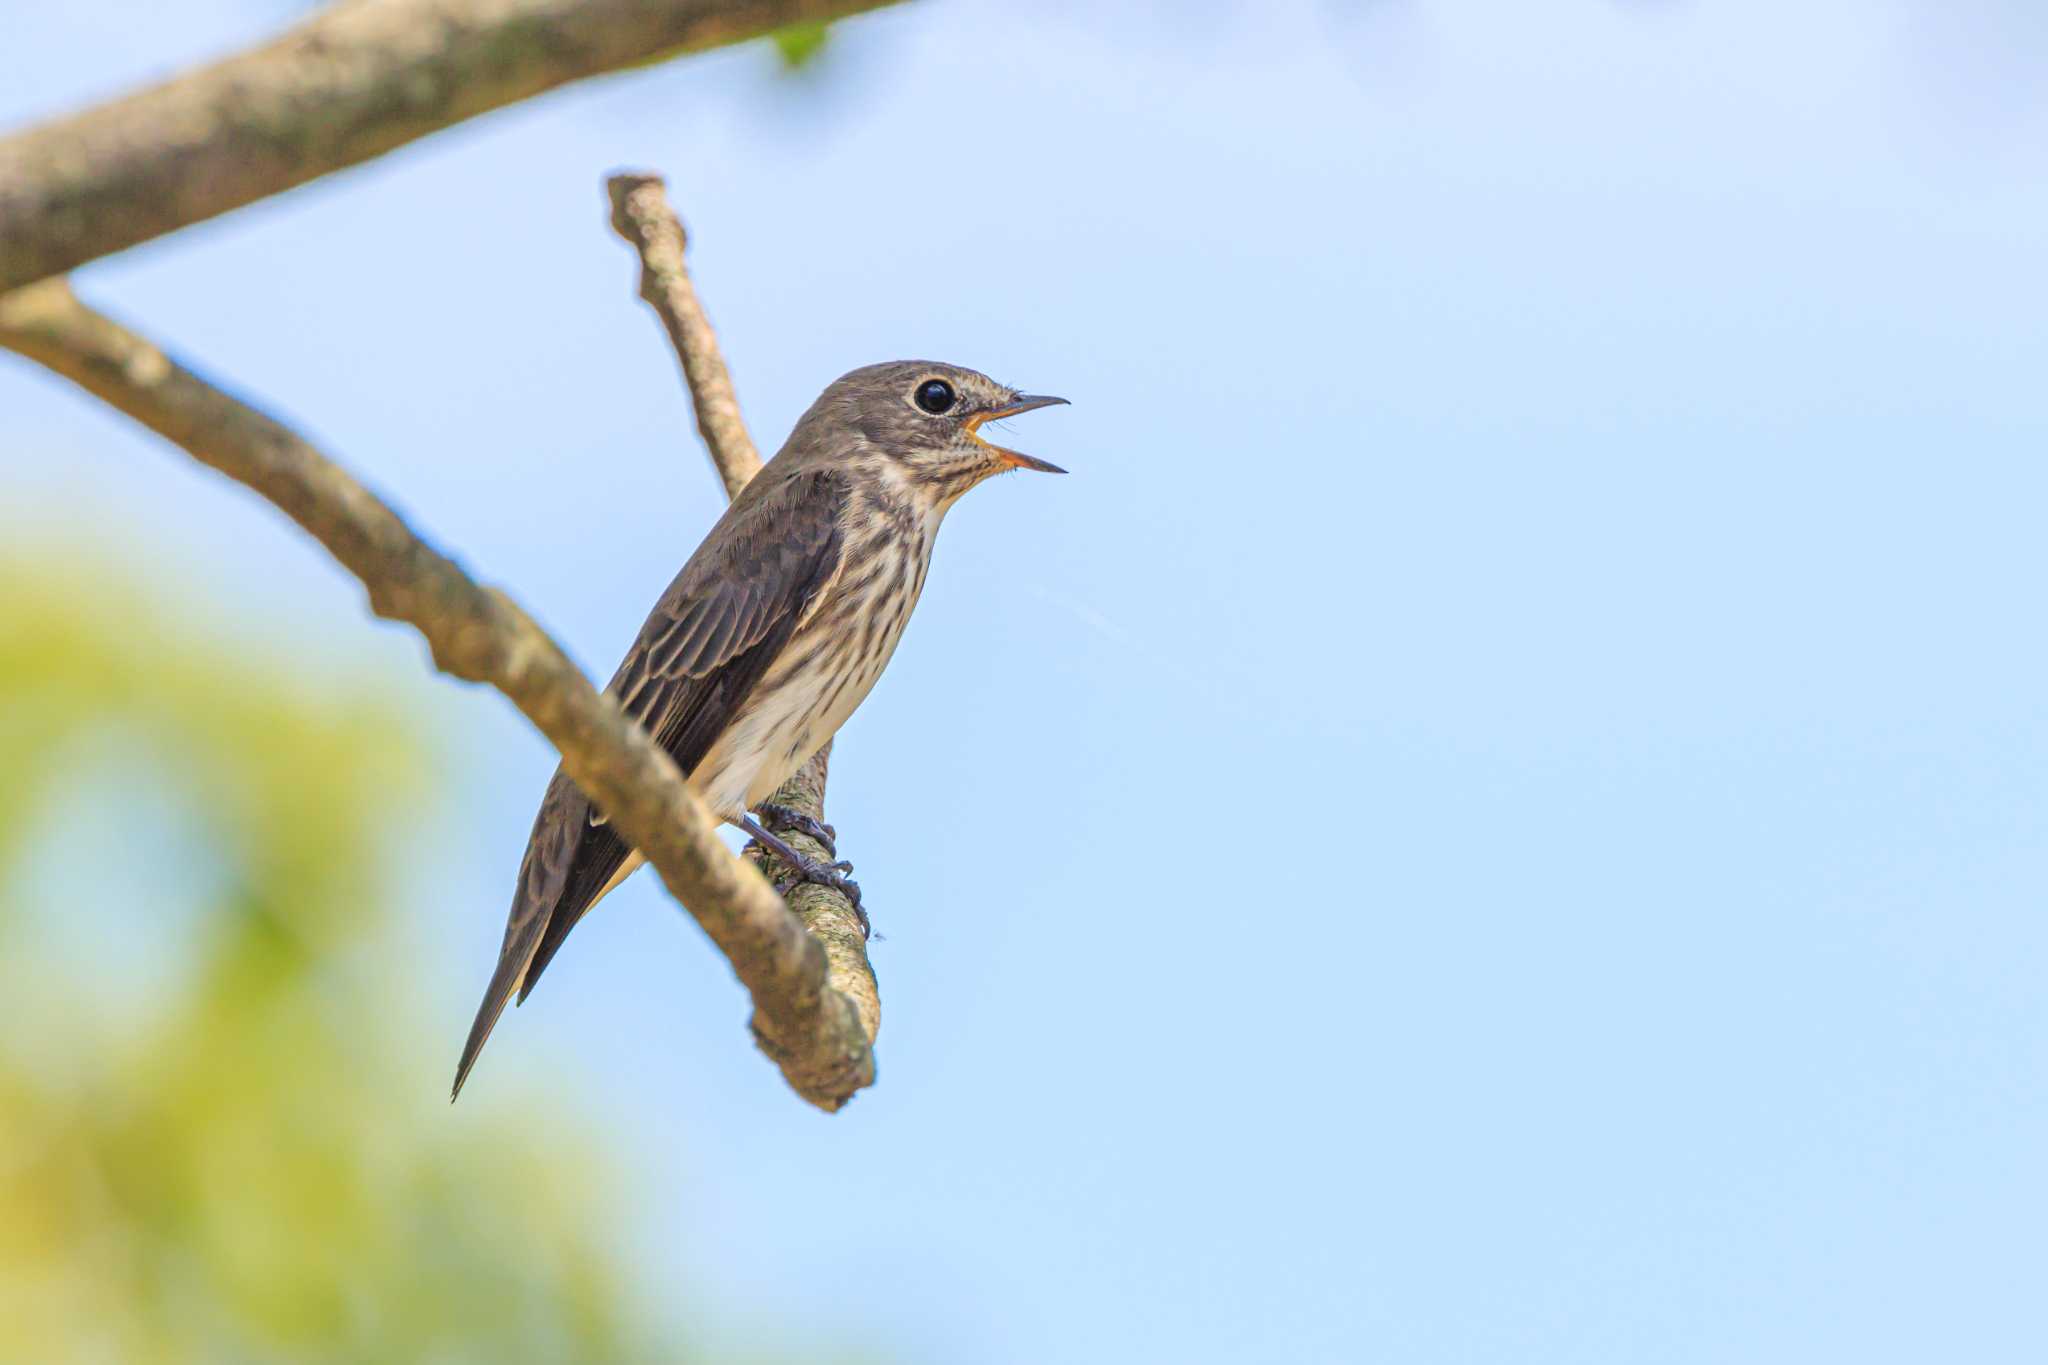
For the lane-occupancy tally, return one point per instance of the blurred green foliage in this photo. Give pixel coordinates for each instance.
(219, 1139)
(795, 45)
(798, 43)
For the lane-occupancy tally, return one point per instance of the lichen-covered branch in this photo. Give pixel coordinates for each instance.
(827, 914)
(816, 1034)
(350, 83)
(641, 214)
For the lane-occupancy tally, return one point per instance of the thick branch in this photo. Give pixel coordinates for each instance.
(479, 634)
(354, 81)
(828, 915)
(641, 214)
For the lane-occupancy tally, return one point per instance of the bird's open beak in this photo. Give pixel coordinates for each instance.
(1026, 402)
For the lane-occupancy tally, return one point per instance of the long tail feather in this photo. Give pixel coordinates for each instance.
(504, 983)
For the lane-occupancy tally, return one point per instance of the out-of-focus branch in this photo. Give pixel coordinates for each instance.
(814, 1033)
(641, 214)
(350, 83)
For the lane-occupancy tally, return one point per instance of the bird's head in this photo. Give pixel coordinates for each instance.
(924, 420)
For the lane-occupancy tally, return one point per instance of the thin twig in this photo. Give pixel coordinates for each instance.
(641, 214)
(349, 83)
(480, 634)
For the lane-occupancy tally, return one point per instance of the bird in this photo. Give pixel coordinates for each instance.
(771, 634)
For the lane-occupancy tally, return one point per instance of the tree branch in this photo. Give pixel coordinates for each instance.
(350, 83)
(477, 633)
(641, 214)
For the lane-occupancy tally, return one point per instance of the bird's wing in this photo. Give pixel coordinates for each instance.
(705, 646)
(729, 612)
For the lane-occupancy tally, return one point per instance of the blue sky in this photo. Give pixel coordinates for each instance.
(1497, 814)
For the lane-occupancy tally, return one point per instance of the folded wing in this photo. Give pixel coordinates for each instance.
(705, 646)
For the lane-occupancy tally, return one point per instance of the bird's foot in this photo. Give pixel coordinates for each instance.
(835, 877)
(788, 820)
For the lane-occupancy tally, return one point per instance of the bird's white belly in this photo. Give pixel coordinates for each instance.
(787, 721)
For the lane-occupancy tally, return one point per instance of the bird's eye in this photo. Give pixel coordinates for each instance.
(935, 396)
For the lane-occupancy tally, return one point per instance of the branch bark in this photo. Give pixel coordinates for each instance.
(641, 214)
(353, 82)
(477, 633)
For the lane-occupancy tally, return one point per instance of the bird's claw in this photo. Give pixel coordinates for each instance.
(788, 820)
(833, 876)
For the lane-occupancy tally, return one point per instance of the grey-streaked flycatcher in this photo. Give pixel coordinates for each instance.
(773, 632)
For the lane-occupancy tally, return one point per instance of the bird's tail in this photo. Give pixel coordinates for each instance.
(569, 865)
(504, 984)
